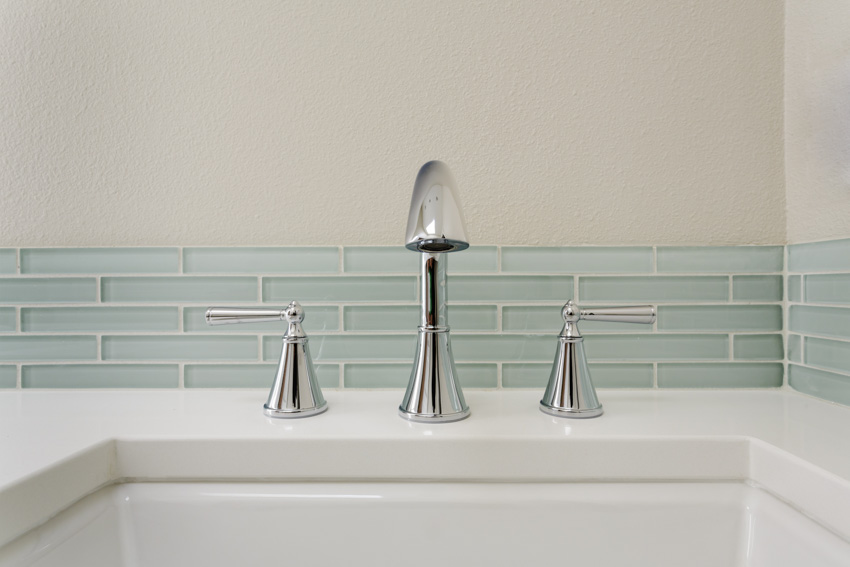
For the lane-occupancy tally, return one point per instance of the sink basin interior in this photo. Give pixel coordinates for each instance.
(636, 524)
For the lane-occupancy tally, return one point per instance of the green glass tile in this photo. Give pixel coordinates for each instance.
(244, 260)
(758, 347)
(8, 377)
(351, 347)
(190, 289)
(826, 321)
(826, 385)
(344, 288)
(829, 256)
(19, 348)
(100, 376)
(721, 375)
(58, 319)
(656, 347)
(548, 319)
(406, 317)
(7, 318)
(179, 347)
(825, 353)
(795, 348)
(8, 261)
(575, 260)
(757, 288)
(316, 318)
(828, 288)
(534, 375)
(398, 375)
(503, 347)
(48, 290)
(720, 318)
(398, 259)
(248, 375)
(795, 289)
(720, 259)
(510, 288)
(98, 260)
(653, 288)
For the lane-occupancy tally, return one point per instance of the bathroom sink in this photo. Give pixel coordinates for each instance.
(412, 524)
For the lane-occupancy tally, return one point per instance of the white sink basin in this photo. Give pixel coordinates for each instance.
(411, 524)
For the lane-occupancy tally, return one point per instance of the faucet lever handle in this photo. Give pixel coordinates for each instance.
(629, 314)
(233, 315)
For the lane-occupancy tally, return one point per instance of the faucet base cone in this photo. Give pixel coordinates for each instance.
(434, 394)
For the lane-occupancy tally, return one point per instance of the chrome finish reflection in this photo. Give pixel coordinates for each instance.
(570, 391)
(435, 226)
(295, 391)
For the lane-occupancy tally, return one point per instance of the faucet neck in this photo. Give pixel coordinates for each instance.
(434, 292)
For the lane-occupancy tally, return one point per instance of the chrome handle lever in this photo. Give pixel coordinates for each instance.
(233, 315)
(630, 314)
(295, 391)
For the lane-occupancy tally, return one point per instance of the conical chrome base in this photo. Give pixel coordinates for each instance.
(434, 394)
(296, 391)
(570, 393)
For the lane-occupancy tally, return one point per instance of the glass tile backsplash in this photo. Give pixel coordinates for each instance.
(134, 317)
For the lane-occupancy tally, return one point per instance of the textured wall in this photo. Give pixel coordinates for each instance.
(270, 122)
(817, 119)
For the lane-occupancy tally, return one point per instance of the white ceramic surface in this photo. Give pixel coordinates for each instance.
(59, 447)
(415, 524)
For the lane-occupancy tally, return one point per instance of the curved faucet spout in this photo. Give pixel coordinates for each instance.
(435, 223)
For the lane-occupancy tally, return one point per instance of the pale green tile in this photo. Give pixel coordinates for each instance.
(828, 288)
(20, 348)
(825, 353)
(653, 347)
(7, 319)
(757, 288)
(98, 260)
(653, 288)
(795, 348)
(406, 317)
(101, 376)
(398, 375)
(826, 321)
(536, 375)
(829, 256)
(48, 290)
(351, 347)
(189, 289)
(8, 377)
(548, 319)
(58, 319)
(398, 259)
(510, 288)
(8, 261)
(720, 318)
(248, 375)
(316, 318)
(721, 375)
(343, 288)
(575, 260)
(758, 347)
(245, 260)
(720, 259)
(795, 289)
(503, 347)
(826, 385)
(179, 347)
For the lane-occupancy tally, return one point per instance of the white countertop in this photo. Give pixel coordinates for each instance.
(57, 446)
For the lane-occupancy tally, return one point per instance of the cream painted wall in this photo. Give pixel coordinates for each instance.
(817, 119)
(134, 122)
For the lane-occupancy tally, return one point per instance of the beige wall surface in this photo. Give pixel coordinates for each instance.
(817, 119)
(134, 122)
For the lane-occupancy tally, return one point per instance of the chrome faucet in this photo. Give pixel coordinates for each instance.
(570, 392)
(435, 226)
(295, 391)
